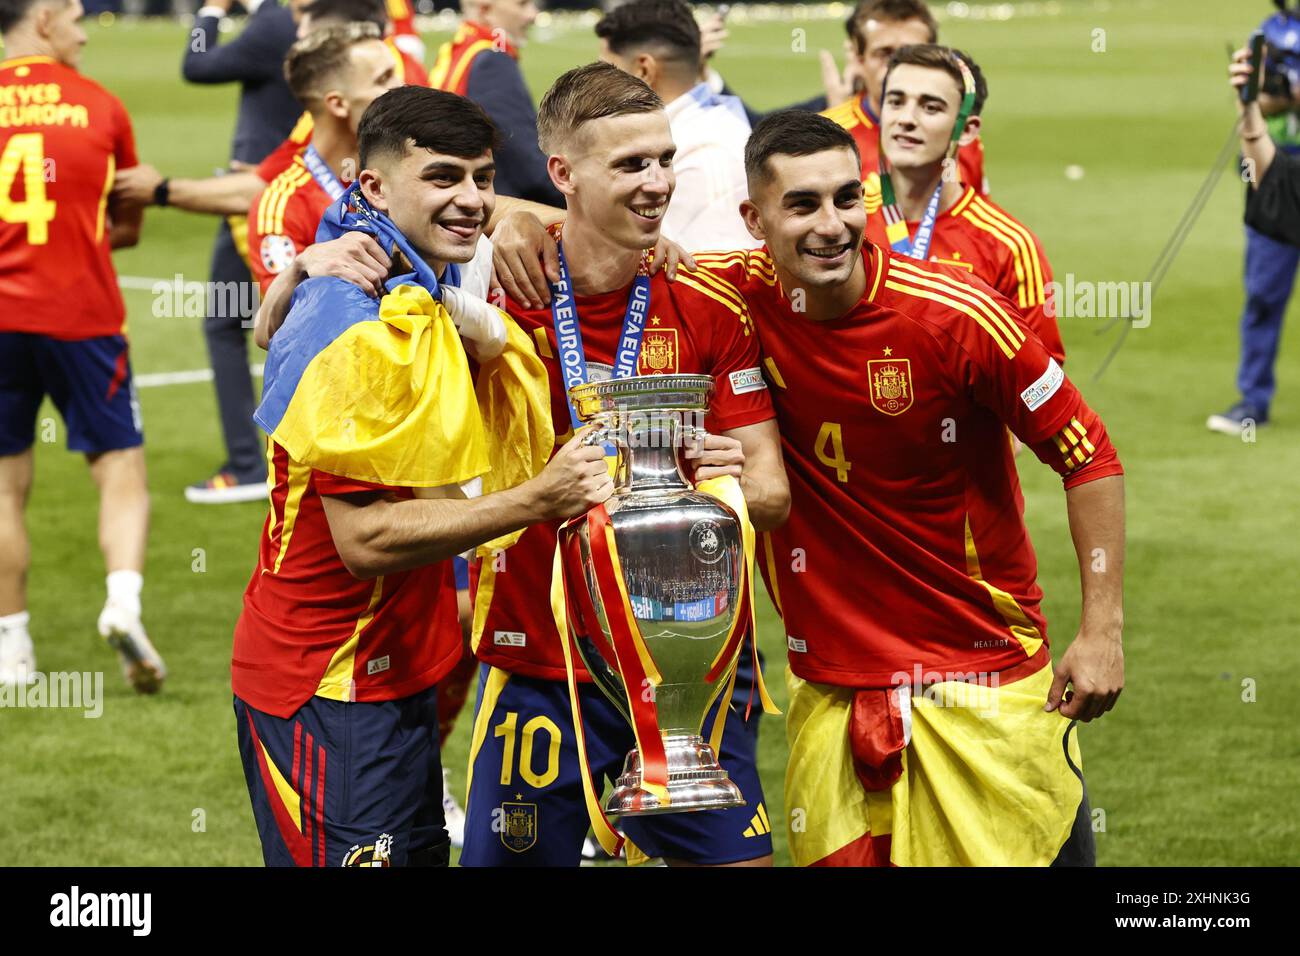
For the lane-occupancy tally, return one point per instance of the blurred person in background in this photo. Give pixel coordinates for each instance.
(1270, 267)
(481, 62)
(267, 112)
(1273, 201)
(62, 320)
(879, 28)
(658, 42)
(231, 193)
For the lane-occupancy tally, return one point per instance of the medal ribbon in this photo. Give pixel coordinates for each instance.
(323, 175)
(568, 333)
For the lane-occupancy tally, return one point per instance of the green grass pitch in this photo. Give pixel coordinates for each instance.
(1199, 763)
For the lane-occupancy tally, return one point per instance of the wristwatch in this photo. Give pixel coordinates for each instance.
(161, 192)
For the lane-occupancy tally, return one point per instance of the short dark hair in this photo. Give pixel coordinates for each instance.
(316, 61)
(667, 27)
(589, 93)
(890, 11)
(935, 57)
(417, 117)
(14, 12)
(792, 133)
(350, 11)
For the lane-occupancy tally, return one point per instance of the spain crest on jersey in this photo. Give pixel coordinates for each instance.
(378, 853)
(658, 353)
(891, 385)
(518, 825)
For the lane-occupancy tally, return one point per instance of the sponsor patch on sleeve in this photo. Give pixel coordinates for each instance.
(747, 380)
(1045, 387)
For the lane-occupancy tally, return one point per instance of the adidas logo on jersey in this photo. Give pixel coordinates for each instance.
(509, 638)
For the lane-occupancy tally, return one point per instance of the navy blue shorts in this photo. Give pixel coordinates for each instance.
(346, 784)
(524, 771)
(89, 381)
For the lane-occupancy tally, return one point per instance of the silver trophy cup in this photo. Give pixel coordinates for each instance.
(682, 561)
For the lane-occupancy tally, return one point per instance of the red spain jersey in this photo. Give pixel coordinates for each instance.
(906, 546)
(282, 221)
(986, 241)
(309, 628)
(856, 117)
(409, 70)
(62, 137)
(455, 57)
(697, 324)
(402, 15)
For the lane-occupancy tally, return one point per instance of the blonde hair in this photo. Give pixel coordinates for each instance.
(314, 62)
(589, 93)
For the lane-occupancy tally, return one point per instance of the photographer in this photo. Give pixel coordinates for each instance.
(1270, 127)
(1273, 202)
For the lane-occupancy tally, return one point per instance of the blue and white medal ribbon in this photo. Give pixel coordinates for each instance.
(568, 333)
(323, 175)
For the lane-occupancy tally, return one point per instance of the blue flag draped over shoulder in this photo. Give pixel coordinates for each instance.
(382, 390)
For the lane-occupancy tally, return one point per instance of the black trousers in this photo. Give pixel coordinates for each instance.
(227, 337)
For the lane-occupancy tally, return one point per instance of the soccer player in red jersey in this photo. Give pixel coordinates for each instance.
(877, 29)
(62, 318)
(482, 62)
(231, 193)
(610, 153)
(926, 723)
(922, 101)
(335, 72)
(349, 618)
(401, 14)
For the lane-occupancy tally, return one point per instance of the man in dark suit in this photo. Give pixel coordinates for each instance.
(267, 111)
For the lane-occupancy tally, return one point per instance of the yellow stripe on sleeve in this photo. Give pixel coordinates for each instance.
(969, 293)
(1029, 269)
(965, 309)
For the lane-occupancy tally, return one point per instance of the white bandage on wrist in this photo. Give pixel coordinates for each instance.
(481, 325)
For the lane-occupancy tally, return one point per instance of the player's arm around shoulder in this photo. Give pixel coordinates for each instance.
(748, 445)
(355, 257)
(378, 533)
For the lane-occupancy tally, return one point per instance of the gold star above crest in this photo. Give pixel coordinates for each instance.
(519, 796)
(888, 351)
(654, 320)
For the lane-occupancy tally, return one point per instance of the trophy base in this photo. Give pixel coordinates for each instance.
(696, 781)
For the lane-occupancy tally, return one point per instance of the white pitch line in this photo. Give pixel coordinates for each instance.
(160, 379)
(157, 379)
(142, 282)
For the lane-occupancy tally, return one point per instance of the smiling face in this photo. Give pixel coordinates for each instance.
(441, 203)
(809, 211)
(917, 116)
(616, 173)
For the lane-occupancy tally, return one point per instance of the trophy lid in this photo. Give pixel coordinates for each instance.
(642, 393)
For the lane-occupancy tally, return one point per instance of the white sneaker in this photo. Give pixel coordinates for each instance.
(17, 657)
(452, 813)
(142, 666)
(224, 488)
